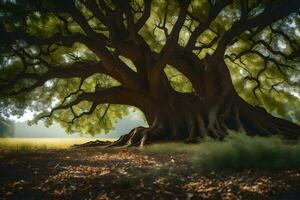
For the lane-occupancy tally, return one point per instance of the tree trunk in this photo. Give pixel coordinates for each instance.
(188, 117)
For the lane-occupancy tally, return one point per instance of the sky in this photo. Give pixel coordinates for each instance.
(122, 127)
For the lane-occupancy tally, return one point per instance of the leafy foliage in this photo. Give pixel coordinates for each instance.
(178, 81)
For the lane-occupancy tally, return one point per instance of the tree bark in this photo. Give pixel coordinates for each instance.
(186, 117)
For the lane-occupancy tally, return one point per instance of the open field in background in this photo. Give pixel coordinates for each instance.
(237, 152)
(47, 143)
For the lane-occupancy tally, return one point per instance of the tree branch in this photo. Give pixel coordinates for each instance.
(113, 95)
(214, 12)
(171, 43)
(146, 14)
(76, 70)
(266, 18)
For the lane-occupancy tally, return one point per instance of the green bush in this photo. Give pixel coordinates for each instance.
(237, 152)
(240, 152)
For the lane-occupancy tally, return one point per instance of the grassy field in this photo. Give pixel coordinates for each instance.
(237, 152)
(240, 167)
(47, 143)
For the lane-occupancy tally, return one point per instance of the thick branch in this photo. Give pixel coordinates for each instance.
(113, 95)
(146, 14)
(76, 70)
(7, 38)
(170, 45)
(203, 26)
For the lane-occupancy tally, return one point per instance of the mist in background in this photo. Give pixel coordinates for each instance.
(6, 128)
(22, 130)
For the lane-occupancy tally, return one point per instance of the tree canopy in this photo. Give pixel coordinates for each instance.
(79, 62)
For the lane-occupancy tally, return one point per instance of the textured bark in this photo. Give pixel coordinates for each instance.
(192, 123)
(188, 118)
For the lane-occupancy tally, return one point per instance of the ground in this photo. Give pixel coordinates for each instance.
(94, 173)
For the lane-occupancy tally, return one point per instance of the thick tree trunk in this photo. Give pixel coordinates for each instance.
(187, 117)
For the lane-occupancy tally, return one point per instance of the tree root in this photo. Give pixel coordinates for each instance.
(135, 137)
(216, 123)
(96, 143)
(214, 128)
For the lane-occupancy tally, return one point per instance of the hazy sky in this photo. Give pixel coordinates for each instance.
(123, 126)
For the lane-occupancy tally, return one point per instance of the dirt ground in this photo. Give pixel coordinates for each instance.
(94, 173)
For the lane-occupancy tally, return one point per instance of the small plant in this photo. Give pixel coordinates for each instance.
(237, 152)
(240, 152)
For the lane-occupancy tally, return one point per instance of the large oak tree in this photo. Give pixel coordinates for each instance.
(195, 68)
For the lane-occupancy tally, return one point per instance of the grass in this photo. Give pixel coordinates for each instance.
(172, 147)
(238, 152)
(38, 143)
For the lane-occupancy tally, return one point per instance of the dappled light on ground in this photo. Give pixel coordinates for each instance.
(248, 185)
(156, 172)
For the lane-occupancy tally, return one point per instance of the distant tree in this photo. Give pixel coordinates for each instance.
(6, 128)
(193, 67)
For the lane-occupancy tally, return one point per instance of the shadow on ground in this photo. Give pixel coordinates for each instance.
(93, 173)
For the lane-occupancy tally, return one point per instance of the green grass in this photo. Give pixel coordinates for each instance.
(172, 147)
(37, 143)
(238, 152)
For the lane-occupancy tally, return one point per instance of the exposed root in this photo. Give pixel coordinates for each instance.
(139, 136)
(201, 127)
(237, 120)
(192, 138)
(96, 143)
(135, 137)
(257, 121)
(190, 125)
(130, 139)
(214, 129)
